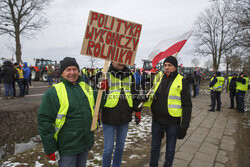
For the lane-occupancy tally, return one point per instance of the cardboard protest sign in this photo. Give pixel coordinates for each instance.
(111, 38)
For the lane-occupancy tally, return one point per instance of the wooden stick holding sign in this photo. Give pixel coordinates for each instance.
(111, 39)
(99, 98)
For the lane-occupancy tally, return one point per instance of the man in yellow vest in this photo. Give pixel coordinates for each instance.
(20, 79)
(216, 87)
(241, 89)
(171, 107)
(120, 102)
(65, 117)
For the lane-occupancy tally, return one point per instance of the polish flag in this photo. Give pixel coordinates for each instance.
(168, 47)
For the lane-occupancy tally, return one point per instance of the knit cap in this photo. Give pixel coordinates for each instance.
(171, 60)
(66, 62)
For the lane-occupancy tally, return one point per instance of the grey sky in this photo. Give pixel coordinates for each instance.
(160, 19)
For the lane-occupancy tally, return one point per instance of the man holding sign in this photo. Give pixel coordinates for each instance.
(114, 39)
(120, 102)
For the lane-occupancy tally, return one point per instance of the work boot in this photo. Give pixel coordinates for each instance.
(211, 110)
(217, 109)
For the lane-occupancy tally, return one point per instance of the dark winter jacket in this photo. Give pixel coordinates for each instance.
(211, 84)
(121, 113)
(190, 79)
(75, 136)
(232, 85)
(8, 72)
(159, 106)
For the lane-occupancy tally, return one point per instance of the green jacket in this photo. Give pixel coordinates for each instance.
(75, 136)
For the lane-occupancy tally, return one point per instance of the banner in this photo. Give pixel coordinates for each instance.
(111, 38)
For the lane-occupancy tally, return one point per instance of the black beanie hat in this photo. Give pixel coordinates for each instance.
(66, 62)
(218, 73)
(171, 60)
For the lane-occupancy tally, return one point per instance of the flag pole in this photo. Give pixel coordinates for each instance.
(158, 79)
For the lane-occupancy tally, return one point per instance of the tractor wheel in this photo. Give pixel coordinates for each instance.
(44, 77)
(35, 76)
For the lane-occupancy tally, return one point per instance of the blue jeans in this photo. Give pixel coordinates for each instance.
(109, 132)
(197, 89)
(157, 136)
(50, 80)
(21, 88)
(78, 160)
(8, 88)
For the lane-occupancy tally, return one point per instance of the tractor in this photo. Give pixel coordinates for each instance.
(40, 69)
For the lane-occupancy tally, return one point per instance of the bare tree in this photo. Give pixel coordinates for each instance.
(21, 18)
(195, 62)
(208, 64)
(241, 10)
(214, 31)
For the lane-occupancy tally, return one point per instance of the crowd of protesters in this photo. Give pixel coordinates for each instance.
(13, 74)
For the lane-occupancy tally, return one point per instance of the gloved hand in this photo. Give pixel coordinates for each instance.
(104, 84)
(52, 156)
(182, 133)
(137, 117)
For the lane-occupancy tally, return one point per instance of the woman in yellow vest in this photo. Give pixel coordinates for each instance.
(65, 117)
(241, 89)
(170, 101)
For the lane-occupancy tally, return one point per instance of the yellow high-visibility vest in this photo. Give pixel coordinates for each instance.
(115, 87)
(20, 73)
(218, 85)
(64, 103)
(228, 83)
(174, 95)
(242, 87)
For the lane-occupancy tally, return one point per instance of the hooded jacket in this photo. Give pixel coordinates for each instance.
(26, 71)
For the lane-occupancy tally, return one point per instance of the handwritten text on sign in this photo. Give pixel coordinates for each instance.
(111, 38)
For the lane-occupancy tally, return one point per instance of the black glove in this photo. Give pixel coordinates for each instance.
(182, 133)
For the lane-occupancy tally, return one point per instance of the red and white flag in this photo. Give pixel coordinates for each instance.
(168, 47)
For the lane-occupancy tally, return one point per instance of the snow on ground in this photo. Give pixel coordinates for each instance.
(136, 133)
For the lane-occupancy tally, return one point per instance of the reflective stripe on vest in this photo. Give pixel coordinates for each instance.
(174, 96)
(242, 87)
(64, 103)
(115, 87)
(218, 85)
(20, 73)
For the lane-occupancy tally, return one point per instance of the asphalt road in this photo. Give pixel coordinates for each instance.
(35, 94)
